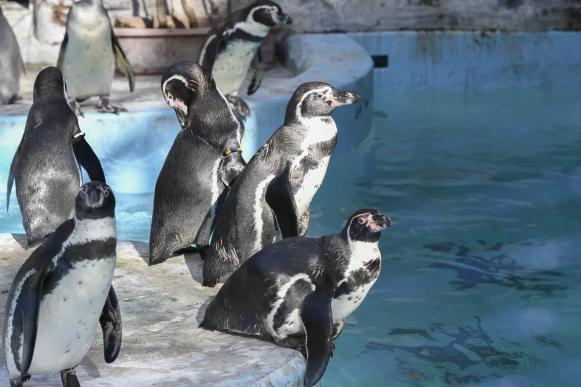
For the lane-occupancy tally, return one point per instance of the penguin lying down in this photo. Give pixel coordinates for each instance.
(62, 290)
(298, 291)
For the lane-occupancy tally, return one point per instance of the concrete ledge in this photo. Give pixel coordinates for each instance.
(132, 146)
(161, 308)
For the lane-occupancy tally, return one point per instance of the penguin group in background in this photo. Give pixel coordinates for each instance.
(203, 162)
(274, 191)
(88, 53)
(59, 293)
(297, 292)
(230, 50)
(11, 64)
(46, 166)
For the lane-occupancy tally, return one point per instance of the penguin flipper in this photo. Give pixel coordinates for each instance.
(123, 61)
(11, 178)
(110, 322)
(280, 197)
(258, 74)
(27, 306)
(61, 58)
(318, 322)
(88, 159)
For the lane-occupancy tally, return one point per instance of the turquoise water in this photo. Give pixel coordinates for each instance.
(481, 267)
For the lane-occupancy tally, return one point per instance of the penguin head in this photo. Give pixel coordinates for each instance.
(365, 225)
(181, 85)
(317, 99)
(95, 200)
(49, 86)
(267, 13)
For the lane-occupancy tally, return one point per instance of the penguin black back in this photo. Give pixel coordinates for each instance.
(46, 166)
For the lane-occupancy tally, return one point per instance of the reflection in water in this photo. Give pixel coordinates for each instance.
(473, 270)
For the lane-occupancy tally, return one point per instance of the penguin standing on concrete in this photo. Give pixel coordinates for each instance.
(46, 166)
(297, 292)
(88, 53)
(229, 51)
(60, 291)
(202, 163)
(10, 63)
(276, 188)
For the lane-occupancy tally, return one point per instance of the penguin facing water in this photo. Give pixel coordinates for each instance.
(202, 163)
(276, 188)
(62, 290)
(229, 51)
(88, 53)
(46, 165)
(297, 292)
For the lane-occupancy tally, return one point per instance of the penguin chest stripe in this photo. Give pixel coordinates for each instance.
(259, 208)
(284, 316)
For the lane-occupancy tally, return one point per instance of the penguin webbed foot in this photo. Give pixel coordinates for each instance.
(240, 107)
(293, 342)
(104, 106)
(69, 378)
(17, 382)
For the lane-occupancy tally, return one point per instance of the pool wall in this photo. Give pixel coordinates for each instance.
(474, 60)
(132, 146)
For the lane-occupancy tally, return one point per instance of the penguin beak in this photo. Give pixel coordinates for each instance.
(340, 98)
(286, 19)
(381, 221)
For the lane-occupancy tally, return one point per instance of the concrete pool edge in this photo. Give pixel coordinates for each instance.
(132, 146)
(161, 308)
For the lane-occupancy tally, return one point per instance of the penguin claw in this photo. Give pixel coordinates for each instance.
(105, 107)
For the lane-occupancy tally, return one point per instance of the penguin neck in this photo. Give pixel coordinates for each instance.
(95, 229)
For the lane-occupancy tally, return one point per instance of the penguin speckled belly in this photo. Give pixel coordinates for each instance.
(47, 160)
(203, 161)
(298, 291)
(276, 188)
(88, 54)
(229, 51)
(60, 291)
(10, 63)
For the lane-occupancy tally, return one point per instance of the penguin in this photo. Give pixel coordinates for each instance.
(88, 53)
(11, 64)
(298, 291)
(60, 292)
(46, 165)
(203, 162)
(229, 51)
(276, 188)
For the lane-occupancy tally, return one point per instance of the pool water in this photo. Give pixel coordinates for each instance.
(481, 267)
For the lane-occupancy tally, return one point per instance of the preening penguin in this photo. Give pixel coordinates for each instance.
(10, 63)
(88, 53)
(276, 188)
(46, 166)
(228, 52)
(203, 161)
(297, 292)
(61, 290)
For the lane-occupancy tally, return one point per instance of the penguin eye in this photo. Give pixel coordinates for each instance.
(319, 95)
(106, 193)
(360, 220)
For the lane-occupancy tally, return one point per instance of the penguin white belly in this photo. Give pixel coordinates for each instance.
(362, 254)
(68, 316)
(89, 62)
(346, 304)
(232, 64)
(310, 184)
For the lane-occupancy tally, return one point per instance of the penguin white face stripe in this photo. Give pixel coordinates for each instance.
(281, 294)
(299, 115)
(250, 25)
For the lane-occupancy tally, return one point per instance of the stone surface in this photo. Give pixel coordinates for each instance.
(161, 308)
